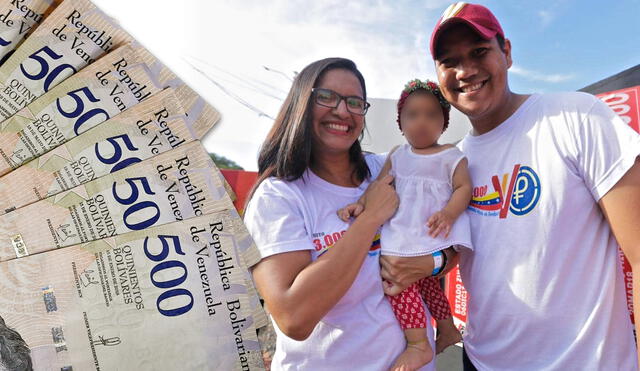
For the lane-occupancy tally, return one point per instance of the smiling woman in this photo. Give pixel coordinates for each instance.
(320, 276)
(336, 127)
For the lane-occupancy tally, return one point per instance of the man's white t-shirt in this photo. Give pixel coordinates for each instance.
(545, 284)
(361, 331)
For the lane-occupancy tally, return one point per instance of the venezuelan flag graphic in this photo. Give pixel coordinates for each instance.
(490, 202)
(375, 245)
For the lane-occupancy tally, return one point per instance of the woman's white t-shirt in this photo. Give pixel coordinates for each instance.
(361, 331)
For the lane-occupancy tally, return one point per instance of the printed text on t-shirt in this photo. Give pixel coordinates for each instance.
(325, 241)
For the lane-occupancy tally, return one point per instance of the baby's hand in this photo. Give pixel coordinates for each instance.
(440, 222)
(391, 289)
(351, 210)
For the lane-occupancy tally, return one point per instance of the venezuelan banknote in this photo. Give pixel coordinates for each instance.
(115, 83)
(150, 128)
(172, 297)
(74, 35)
(173, 186)
(18, 19)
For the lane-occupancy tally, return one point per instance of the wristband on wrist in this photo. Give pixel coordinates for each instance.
(439, 262)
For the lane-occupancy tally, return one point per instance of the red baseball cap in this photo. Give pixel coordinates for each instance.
(476, 16)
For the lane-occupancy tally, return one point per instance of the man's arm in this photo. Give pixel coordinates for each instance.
(621, 207)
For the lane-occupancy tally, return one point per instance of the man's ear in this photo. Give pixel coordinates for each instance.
(507, 52)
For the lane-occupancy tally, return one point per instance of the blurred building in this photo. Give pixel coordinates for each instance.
(627, 78)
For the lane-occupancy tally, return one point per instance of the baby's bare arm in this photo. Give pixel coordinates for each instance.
(461, 190)
(442, 221)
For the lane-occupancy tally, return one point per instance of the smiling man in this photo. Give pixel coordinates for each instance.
(556, 183)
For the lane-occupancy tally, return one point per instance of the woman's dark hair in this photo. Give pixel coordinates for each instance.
(287, 151)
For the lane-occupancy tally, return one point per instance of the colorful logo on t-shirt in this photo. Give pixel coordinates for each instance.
(518, 192)
(375, 245)
(325, 241)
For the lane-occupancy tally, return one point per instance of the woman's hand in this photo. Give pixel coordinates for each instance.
(380, 200)
(403, 271)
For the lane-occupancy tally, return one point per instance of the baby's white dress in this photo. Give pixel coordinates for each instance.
(424, 186)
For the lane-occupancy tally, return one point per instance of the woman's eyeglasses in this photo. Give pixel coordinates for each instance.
(331, 99)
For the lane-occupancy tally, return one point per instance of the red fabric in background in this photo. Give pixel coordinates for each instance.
(241, 182)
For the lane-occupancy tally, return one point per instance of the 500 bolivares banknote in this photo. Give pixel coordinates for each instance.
(176, 185)
(18, 19)
(118, 81)
(74, 35)
(171, 297)
(150, 128)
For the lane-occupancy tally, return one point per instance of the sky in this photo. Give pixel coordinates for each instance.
(242, 55)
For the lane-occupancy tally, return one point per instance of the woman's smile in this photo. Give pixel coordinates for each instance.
(337, 127)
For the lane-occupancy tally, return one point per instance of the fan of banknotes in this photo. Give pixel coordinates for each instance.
(120, 248)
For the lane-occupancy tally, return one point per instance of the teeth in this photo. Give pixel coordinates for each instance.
(470, 88)
(338, 127)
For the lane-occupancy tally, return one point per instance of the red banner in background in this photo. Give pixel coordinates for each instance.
(628, 283)
(624, 102)
(457, 296)
(241, 182)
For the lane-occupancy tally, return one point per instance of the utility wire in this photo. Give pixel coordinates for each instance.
(249, 83)
(229, 93)
(278, 72)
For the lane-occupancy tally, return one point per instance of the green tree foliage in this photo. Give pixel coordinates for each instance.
(224, 163)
